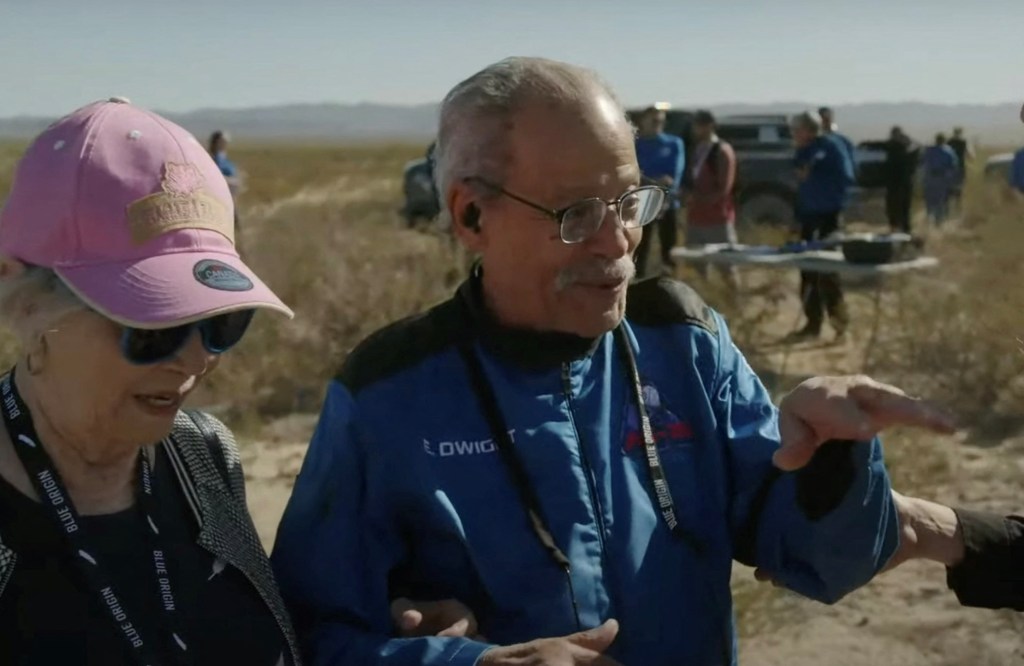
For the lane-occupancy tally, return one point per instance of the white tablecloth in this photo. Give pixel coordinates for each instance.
(825, 261)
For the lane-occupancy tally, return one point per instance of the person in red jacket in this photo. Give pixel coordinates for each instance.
(710, 210)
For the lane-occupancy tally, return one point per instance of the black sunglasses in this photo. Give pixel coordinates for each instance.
(219, 333)
(580, 220)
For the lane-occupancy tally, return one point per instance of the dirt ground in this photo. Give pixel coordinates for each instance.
(906, 617)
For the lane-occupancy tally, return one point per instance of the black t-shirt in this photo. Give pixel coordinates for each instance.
(959, 147)
(48, 616)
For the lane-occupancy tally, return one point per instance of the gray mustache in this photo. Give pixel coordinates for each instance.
(596, 270)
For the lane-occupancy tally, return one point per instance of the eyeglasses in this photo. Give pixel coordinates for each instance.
(581, 220)
(218, 334)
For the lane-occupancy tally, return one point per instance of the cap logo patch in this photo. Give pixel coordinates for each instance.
(218, 275)
(183, 203)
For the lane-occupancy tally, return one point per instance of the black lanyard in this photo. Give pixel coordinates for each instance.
(499, 431)
(56, 502)
(656, 471)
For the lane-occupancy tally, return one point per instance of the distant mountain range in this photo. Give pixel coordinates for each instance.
(996, 124)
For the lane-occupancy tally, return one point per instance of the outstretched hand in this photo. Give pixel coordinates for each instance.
(851, 408)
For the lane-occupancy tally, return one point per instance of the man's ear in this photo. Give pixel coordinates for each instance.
(467, 224)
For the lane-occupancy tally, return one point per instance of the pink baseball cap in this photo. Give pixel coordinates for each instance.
(133, 215)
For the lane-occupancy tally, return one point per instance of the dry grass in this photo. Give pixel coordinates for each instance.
(333, 247)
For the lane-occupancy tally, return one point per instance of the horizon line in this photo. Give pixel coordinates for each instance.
(417, 105)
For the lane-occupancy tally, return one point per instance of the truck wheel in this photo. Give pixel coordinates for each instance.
(769, 209)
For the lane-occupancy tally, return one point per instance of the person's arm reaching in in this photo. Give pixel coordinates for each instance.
(983, 552)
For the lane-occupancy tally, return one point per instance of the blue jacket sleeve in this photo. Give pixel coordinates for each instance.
(824, 557)
(334, 549)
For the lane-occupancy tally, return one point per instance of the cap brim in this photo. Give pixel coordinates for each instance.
(165, 290)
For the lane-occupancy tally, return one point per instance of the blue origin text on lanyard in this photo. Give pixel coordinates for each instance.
(55, 500)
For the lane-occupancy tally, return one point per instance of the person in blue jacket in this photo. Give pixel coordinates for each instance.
(941, 168)
(830, 128)
(662, 158)
(1017, 172)
(825, 174)
(576, 459)
(217, 146)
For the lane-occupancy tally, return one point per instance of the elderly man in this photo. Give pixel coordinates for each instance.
(578, 466)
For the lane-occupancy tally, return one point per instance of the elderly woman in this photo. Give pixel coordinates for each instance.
(124, 533)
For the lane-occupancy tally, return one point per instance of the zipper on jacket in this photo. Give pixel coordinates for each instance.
(588, 472)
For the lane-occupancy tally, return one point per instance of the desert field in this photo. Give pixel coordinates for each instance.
(320, 225)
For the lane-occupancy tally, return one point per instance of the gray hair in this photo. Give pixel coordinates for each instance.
(808, 120)
(476, 115)
(34, 300)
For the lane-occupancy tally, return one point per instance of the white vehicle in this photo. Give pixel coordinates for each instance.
(998, 166)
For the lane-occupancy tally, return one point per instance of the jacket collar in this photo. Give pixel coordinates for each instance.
(216, 507)
(526, 348)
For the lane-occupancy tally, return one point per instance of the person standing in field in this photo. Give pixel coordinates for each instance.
(940, 174)
(901, 158)
(964, 153)
(830, 128)
(662, 158)
(710, 209)
(825, 174)
(218, 148)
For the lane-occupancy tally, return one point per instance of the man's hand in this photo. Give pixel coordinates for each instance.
(854, 408)
(449, 618)
(585, 647)
(667, 181)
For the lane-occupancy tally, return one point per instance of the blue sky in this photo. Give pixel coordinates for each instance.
(58, 54)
